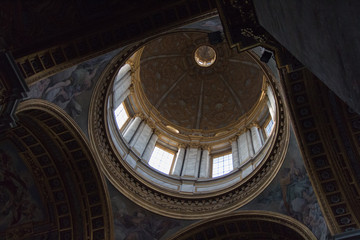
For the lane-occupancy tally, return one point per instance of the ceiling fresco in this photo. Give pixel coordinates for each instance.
(224, 98)
(20, 200)
(71, 89)
(291, 194)
(132, 221)
(51, 185)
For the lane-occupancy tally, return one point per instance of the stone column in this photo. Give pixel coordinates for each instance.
(150, 146)
(235, 152)
(120, 81)
(179, 160)
(261, 133)
(123, 70)
(272, 103)
(271, 110)
(121, 84)
(205, 163)
(130, 131)
(250, 142)
(192, 162)
(121, 98)
(244, 146)
(126, 127)
(137, 133)
(143, 139)
(255, 136)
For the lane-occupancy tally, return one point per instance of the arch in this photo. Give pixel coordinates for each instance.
(64, 168)
(324, 127)
(247, 225)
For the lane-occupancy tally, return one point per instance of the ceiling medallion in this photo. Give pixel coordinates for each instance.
(205, 56)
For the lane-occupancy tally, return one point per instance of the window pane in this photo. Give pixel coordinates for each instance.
(121, 115)
(269, 127)
(222, 165)
(161, 160)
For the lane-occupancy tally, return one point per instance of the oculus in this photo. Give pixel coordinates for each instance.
(205, 56)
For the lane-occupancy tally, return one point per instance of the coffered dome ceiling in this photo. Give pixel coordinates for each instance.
(197, 88)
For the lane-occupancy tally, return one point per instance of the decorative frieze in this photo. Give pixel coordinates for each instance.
(173, 203)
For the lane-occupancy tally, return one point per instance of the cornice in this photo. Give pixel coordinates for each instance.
(169, 203)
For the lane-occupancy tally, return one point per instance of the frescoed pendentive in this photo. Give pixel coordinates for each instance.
(71, 89)
(20, 201)
(291, 194)
(212, 24)
(134, 222)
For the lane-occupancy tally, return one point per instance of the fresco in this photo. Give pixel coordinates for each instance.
(71, 89)
(19, 198)
(212, 24)
(134, 222)
(291, 194)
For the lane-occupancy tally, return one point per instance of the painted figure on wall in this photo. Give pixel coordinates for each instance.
(212, 24)
(64, 92)
(295, 189)
(139, 225)
(291, 194)
(19, 202)
(299, 199)
(68, 88)
(133, 222)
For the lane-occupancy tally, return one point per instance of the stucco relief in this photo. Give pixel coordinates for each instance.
(196, 97)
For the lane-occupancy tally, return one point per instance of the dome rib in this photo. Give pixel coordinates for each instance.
(235, 96)
(196, 97)
(199, 111)
(158, 103)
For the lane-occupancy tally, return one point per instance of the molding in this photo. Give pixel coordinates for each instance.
(79, 157)
(244, 218)
(168, 203)
(206, 137)
(322, 147)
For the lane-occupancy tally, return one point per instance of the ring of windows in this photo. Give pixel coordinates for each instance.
(186, 160)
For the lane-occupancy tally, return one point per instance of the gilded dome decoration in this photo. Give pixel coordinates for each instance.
(188, 128)
(212, 94)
